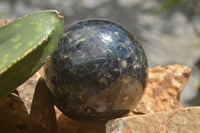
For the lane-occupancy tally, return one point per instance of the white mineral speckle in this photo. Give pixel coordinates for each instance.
(124, 63)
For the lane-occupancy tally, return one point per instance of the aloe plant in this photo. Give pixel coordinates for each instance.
(24, 45)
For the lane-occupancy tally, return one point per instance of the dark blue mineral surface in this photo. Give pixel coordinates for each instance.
(98, 71)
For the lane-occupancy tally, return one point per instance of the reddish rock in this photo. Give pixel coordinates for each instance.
(67, 125)
(185, 120)
(27, 89)
(42, 108)
(4, 22)
(163, 89)
(41, 71)
(14, 117)
(162, 94)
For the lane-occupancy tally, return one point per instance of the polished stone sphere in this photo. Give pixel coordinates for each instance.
(98, 72)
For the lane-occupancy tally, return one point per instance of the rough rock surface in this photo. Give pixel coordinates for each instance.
(163, 89)
(27, 89)
(162, 94)
(4, 22)
(67, 125)
(185, 120)
(42, 108)
(14, 117)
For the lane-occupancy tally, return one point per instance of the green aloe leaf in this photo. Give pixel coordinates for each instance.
(24, 45)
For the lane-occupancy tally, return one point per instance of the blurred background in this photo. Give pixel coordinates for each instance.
(169, 30)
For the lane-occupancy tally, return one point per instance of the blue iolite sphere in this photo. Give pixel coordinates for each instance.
(98, 71)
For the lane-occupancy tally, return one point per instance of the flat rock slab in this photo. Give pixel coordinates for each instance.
(185, 120)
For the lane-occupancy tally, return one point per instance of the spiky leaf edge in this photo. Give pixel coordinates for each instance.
(9, 74)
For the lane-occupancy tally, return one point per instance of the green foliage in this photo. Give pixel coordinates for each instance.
(169, 4)
(198, 43)
(24, 45)
(1, 14)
